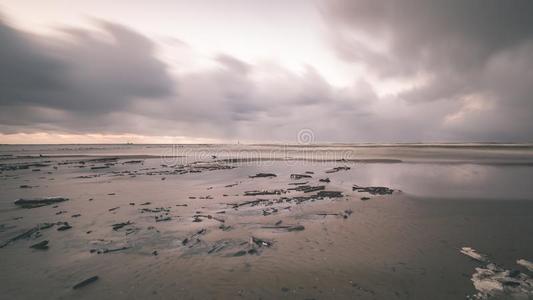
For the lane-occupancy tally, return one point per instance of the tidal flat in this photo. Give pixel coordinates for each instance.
(266, 222)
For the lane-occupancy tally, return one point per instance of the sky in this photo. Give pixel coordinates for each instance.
(350, 71)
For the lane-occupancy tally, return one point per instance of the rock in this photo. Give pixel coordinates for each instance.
(106, 250)
(365, 198)
(325, 180)
(114, 208)
(162, 218)
(239, 253)
(133, 162)
(337, 169)
(259, 242)
(85, 282)
(329, 194)
(65, 226)
(298, 183)
(261, 193)
(296, 228)
(38, 202)
(224, 227)
(373, 190)
(300, 176)
(43, 245)
(32, 232)
(259, 175)
(308, 189)
(99, 167)
(118, 226)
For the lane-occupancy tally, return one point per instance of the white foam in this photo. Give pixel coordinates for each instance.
(494, 281)
(472, 253)
(526, 264)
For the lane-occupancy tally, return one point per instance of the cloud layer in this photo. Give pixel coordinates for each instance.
(465, 69)
(476, 55)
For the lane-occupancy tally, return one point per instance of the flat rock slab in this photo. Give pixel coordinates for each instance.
(38, 202)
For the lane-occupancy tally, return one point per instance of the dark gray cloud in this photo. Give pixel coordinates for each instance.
(476, 53)
(111, 81)
(84, 71)
(421, 34)
(473, 60)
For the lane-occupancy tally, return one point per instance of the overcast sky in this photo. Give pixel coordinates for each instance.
(163, 71)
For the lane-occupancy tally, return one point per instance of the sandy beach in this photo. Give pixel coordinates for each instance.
(134, 225)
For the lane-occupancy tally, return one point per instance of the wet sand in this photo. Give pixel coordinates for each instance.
(194, 230)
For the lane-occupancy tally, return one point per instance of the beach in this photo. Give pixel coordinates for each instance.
(266, 221)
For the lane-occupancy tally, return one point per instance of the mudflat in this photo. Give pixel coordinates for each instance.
(132, 223)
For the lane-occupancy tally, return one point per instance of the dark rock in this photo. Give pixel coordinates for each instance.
(85, 282)
(224, 227)
(259, 175)
(43, 245)
(65, 226)
(106, 250)
(308, 189)
(38, 202)
(118, 226)
(133, 162)
(300, 176)
(325, 180)
(329, 194)
(260, 242)
(239, 253)
(99, 167)
(162, 218)
(373, 190)
(298, 183)
(296, 228)
(337, 169)
(261, 193)
(32, 232)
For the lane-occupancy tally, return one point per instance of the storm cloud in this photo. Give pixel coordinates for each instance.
(475, 54)
(465, 69)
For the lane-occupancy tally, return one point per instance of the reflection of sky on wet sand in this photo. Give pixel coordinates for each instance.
(448, 181)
